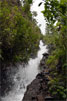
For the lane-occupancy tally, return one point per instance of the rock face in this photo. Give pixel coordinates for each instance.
(38, 90)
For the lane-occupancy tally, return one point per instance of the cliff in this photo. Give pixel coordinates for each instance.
(38, 89)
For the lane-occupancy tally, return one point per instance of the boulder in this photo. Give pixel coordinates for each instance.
(37, 90)
(46, 54)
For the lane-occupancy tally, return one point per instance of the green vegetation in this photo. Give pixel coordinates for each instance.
(19, 35)
(56, 38)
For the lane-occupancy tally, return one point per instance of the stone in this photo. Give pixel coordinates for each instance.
(37, 90)
(46, 54)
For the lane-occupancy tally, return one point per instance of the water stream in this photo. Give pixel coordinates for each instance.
(25, 74)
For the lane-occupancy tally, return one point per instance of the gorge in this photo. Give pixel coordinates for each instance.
(25, 74)
(33, 50)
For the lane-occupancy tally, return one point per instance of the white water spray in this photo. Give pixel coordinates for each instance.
(24, 76)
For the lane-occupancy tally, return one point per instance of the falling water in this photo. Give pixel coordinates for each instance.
(25, 74)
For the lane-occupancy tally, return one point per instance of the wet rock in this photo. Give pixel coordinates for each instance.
(40, 75)
(42, 62)
(40, 98)
(37, 90)
(45, 55)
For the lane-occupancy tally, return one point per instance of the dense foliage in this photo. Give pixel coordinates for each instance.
(19, 38)
(56, 38)
(19, 35)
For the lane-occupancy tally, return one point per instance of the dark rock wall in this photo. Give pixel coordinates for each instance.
(37, 90)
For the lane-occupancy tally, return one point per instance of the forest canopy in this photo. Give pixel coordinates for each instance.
(19, 34)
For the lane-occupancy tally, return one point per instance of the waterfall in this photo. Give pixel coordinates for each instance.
(26, 74)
